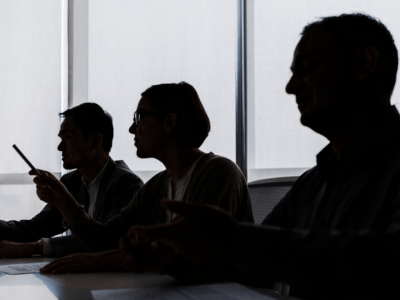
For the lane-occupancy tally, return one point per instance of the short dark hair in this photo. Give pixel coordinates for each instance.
(352, 31)
(193, 124)
(91, 118)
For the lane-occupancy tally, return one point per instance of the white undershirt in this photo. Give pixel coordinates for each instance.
(181, 186)
(93, 189)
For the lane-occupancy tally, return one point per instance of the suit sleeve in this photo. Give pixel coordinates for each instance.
(45, 224)
(96, 236)
(123, 192)
(65, 245)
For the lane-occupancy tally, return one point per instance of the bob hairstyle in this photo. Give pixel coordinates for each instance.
(193, 124)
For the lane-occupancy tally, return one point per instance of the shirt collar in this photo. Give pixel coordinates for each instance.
(96, 181)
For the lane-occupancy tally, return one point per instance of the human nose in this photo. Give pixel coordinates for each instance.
(60, 146)
(132, 129)
(293, 85)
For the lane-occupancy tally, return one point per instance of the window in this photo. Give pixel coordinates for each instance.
(119, 48)
(278, 145)
(144, 43)
(30, 94)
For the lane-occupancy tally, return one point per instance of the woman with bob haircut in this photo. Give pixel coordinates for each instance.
(170, 125)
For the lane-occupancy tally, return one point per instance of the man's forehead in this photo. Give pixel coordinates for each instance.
(68, 126)
(315, 43)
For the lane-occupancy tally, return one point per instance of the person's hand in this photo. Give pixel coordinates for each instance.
(145, 257)
(54, 192)
(74, 263)
(13, 249)
(199, 233)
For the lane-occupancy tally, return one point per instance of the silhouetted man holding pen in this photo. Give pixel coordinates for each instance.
(336, 234)
(101, 185)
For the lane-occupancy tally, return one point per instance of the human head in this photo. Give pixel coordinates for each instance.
(343, 66)
(350, 32)
(86, 135)
(91, 119)
(181, 99)
(173, 113)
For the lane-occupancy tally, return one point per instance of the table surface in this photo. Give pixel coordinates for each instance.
(79, 286)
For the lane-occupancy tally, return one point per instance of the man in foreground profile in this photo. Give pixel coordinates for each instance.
(101, 185)
(336, 234)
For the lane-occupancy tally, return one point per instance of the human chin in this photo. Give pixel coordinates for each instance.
(305, 115)
(141, 153)
(147, 152)
(309, 118)
(68, 165)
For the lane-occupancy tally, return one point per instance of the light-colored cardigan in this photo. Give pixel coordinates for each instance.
(215, 181)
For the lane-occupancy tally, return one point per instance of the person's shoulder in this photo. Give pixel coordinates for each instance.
(309, 174)
(216, 164)
(154, 185)
(121, 166)
(122, 170)
(216, 160)
(71, 176)
(308, 178)
(157, 180)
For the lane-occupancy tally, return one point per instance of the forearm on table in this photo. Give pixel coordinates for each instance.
(14, 249)
(111, 260)
(34, 247)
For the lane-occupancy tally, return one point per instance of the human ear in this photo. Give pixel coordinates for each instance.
(170, 122)
(366, 62)
(97, 139)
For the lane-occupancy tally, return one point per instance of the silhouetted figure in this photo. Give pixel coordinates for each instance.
(335, 235)
(101, 185)
(170, 125)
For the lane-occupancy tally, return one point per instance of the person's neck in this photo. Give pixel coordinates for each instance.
(343, 135)
(178, 160)
(93, 167)
(340, 139)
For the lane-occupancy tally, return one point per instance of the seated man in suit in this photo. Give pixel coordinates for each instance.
(336, 234)
(101, 185)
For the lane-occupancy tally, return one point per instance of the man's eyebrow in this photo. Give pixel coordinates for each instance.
(62, 132)
(304, 55)
(142, 110)
(299, 58)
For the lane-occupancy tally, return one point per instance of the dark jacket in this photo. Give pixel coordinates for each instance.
(117, 188)
(336, 234)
